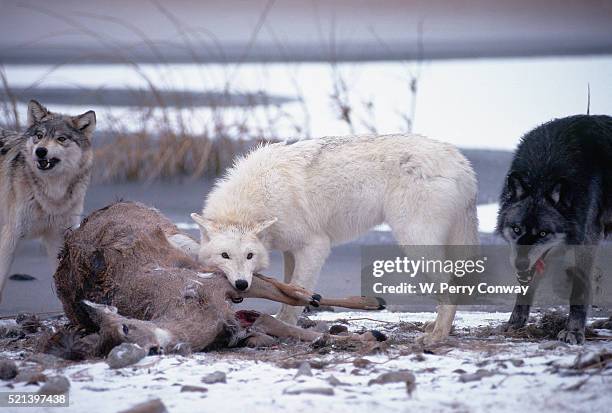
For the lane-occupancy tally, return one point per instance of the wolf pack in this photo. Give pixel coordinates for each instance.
(306, 197)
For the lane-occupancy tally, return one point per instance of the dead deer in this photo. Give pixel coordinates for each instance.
(119, 275)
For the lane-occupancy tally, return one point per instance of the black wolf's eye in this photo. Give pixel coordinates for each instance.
(225, 255)
(516, 229)
(61, 139)
(543, 234)
(249, 255)
(126, 330)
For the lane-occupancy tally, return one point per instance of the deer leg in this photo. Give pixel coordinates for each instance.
(272, 289)
(269, 325)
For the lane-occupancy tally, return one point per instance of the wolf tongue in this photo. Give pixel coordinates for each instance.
(539, 266)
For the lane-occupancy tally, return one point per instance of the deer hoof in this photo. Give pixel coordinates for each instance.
(382, 304)
(314, 300)
(378, 335)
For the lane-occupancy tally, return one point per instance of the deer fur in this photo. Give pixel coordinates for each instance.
(118, 275)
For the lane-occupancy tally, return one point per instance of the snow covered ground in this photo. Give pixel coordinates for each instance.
(513, 375)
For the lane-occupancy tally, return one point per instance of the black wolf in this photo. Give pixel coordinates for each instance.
(558, 192)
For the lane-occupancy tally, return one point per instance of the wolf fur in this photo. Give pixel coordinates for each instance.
(558, 193)
(44, 173)
(303, 198)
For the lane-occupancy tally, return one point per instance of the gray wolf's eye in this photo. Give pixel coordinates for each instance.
(225, 255)
(126, 330)
(39, 135)
(543, 234)
(249, 255)
(61, 139)
(516, 229)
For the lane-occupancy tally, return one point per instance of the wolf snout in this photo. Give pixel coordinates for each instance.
(241, 285)
(41, 152)
(521, 264)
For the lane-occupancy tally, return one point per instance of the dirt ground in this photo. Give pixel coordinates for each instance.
(478, 367)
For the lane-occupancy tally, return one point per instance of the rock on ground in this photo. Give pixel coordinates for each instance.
(125, 354)
(8, 369)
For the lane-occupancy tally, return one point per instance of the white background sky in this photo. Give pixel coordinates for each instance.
(471, 103)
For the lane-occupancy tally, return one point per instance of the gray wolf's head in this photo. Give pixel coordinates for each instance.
(58, 144)
(531, 223)
(234, 249)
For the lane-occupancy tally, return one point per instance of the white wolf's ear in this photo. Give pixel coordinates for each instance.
(206, 226)
(260, 226)
(86, 123)
(36, 112)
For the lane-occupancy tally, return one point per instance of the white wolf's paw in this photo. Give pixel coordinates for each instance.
(429, 339)
(429, 326)
(571, 337)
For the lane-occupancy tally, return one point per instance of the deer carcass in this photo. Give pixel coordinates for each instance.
(119, 275)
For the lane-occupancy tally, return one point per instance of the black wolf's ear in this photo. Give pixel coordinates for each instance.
(557, 194)
(515, 186)
(36, 112)
(86, 123)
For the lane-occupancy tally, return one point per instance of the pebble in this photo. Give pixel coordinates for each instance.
(303, 370)
(55, 385)
(125, 354)
(477, 376)
(8, 369)
(151, 406)
(401, 376)
(325, 391)
(338, 329)
(30, 377)
(361, 363)
(196, 389)
(551, 345)
(216, 377)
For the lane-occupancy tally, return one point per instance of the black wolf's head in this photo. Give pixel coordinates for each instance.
(58, 144)
(530, 219)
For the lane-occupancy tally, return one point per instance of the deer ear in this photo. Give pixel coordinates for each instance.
(85, 123)
(36, 112)
(98, 312)
(515, 186)
(264, 224)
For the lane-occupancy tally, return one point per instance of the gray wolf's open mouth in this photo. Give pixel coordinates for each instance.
(46, 164)
(525, 277)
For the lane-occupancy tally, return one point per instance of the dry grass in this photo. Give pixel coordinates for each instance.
(138, 157)
(159, 142)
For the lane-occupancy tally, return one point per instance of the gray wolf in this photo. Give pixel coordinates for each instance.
(558, 193)
(305, 197)
(119, 276)
(44, 173)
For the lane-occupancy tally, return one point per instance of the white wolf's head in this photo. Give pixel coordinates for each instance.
(234, 249)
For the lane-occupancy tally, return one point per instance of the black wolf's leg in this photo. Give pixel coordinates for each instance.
(580, 298)
(520, 314)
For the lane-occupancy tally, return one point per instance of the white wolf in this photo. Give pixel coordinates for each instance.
(303, 198)
(44, 174)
